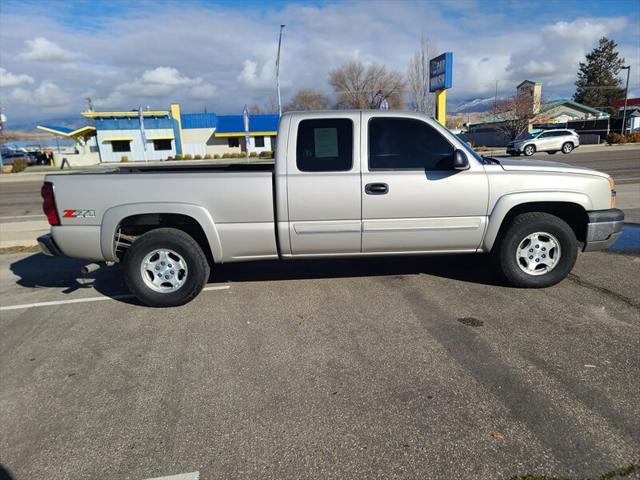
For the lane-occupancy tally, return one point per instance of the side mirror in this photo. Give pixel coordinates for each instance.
(460, 160)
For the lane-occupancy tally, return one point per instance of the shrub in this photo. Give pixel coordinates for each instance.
(226, 155)
(253, 154)
(266, 154)
(188, 156)
(616, 138)
(169, 157)
(216, 156)
(19, 165)
(198, 157)
(633, 137)
(124, 158)
(207, 156)
(179, 156)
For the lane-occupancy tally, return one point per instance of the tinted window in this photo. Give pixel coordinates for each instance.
(164, 144)
(233, 142)
(403, 143)
(325, 145)
(120, 146)
(259, 141)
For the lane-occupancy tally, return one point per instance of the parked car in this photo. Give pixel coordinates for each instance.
(550, 141)
(344, 183)
(10, 156)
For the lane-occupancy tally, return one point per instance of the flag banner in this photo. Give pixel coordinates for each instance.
(245, 118)
(143, 134)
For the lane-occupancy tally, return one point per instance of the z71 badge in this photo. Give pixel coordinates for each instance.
(79, 214)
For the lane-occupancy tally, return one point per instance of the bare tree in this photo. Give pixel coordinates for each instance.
(308, 99)
(420, 98)
(269, 106)
(360, 86)
(514, 115)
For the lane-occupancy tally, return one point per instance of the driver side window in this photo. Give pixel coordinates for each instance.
(407, 144)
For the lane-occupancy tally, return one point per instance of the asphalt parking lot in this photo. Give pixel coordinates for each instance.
(413, 367)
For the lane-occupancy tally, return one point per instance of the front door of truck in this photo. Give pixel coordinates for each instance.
(323, 185)
(412, 198)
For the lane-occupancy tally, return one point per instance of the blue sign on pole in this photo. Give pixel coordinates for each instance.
(441, 72)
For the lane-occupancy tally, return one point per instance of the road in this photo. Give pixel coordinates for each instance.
(23, 198)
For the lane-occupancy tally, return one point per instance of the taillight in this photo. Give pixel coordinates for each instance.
(49, 204)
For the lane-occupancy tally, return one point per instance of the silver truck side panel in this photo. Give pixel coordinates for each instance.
(323, 198)
(112, 218)
(210, 198)
(423, 210)
(282, 205)
(81, 241)
(247, 241)
(511, 188)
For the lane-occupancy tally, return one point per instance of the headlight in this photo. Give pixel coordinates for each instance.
(612, 186)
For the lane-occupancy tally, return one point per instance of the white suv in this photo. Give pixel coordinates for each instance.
(550, 141)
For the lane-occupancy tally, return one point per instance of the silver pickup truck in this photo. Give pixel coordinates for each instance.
(344, 183)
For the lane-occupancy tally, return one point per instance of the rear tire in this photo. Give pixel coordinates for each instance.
(537, 250)
(165, 268)
(529, 150)
(567, 148)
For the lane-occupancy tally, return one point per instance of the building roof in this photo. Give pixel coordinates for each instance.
(233, 125)
(128, 113)
(199, 120)
(527, 81)
(545, 107)
(67, 132)
(631, 102)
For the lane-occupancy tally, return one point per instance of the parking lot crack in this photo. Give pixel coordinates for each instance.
(605, 291)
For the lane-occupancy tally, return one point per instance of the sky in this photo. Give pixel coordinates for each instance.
(220, 55)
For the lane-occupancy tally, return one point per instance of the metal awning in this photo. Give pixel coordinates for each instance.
(118, 139)
(161, 138)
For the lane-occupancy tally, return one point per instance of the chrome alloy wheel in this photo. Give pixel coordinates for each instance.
(567, 147)
(538, 253)
(163, 271)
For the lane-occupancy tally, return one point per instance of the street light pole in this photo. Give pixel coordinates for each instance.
(626, 92)
(278, 71)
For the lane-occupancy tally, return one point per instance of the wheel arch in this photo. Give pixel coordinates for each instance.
(143, 217)
(572, 207)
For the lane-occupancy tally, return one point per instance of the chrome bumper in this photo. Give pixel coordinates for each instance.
(603, 229)
(48, 246)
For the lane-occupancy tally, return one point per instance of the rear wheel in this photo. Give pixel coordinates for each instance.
(165, 268)
(529, 150)
(537, 250)
(567, 148)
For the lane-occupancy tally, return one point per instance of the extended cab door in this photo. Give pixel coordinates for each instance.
(412, 198)
(323, 184)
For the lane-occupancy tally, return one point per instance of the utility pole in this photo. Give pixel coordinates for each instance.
(278, 71)
(626, 94)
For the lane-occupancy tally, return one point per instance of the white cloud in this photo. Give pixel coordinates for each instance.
(252, 77)
(206, 91)
(42, 50)
(46, 95)
(8, 79)
(168, 76)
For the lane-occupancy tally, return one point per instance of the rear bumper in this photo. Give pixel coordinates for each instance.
(604, 228)
(48, 246)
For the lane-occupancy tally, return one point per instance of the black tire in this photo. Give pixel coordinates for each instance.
(179, 242)
(552, 152)
(529, 150)
(526, 224)
(567, 147)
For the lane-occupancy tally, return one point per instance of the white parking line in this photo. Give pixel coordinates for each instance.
(90, 299)
(181, 476)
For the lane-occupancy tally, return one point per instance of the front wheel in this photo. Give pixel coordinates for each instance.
(567, 148)
(537, 250)
(529, 150)
(165, 268)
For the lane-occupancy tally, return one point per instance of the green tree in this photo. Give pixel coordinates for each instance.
(598, 83)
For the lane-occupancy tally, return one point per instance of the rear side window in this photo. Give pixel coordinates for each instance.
(325, 145)
(407, 144)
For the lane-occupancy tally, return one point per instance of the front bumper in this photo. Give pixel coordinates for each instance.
(514, 149)
(604, 228)
(48, 246)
